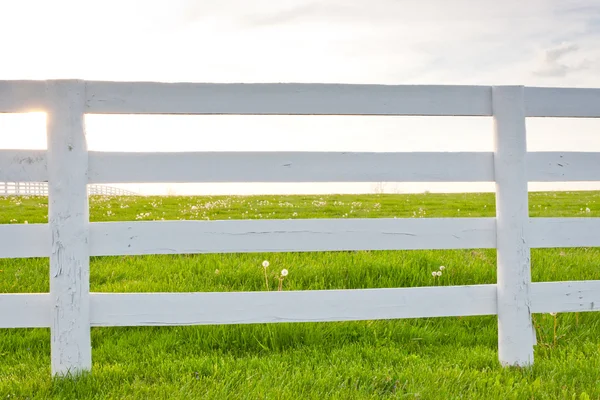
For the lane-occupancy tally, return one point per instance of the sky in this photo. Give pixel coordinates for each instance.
(478, 42)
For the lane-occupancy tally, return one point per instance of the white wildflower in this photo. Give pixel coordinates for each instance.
(434, 273)
(439, 273)
(284, 272)
(442, 268)
(265, 264)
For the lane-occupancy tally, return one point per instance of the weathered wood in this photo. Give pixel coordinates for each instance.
(180, 237)
(68, 219)
(23, 166)
(562, 102)
(242, 236)
(109, 167)
(286, 99)
(563, 166)
(145, 309)
(22, 96)
(290, 167)
(556, 297)
(515, 330)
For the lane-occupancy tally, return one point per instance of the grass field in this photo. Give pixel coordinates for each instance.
(432, 358)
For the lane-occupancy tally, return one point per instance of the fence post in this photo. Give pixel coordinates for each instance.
(68, 217)
(515, 330)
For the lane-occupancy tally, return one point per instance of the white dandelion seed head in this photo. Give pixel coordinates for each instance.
(434, 273)
(284, 272)
(439, 273)
(442, 268)
(265, 264)
(553, 314)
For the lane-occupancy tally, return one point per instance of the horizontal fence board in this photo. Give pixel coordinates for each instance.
(23, 166)
(242, 236)
(109, 167)
(24, 240)
(290, 167)
(562, 102)
(563, 166)
(22, 96)
(573, 296)
(149, 309)
(286, 99)
(25, 310)
(564, 232)
(21, 310)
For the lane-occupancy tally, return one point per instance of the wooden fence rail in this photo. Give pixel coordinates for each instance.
(69, 239)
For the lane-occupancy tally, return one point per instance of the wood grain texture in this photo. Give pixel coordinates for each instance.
(515, 330)
(22, 96)
(23, 166)
(242, 236)
(68, 219)
(147, 309)
(562, 102)
(180, 237)
(575, 296)
(139, 309)
(290, 167)
(285, 99)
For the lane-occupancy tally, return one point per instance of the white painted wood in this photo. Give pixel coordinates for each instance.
(242, 236)
(180, 237)
(23, 166)
(24, 240)
(68, 219)
(22, 96)
(515, 330)
(563, 167)
(139, 309)
(108, 167)
(290, 167)
(285, 98)
(563, 232)
(547, 297)
(562, 102)
(147, 309)
(25, 310)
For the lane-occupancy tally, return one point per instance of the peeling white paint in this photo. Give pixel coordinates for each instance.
(515, 338)
(66, 309)
(68, 222)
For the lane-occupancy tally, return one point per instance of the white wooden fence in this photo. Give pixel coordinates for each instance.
(41, 189)
(69, 239)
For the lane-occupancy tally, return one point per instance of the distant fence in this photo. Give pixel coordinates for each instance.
(41, 189)
(69, 239)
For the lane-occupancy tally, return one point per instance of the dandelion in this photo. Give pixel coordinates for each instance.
(265, 265)
(284, 273)
(439, 273)
(442, 268)
(434, 274)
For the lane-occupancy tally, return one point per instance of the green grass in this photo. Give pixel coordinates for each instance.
(426, 358)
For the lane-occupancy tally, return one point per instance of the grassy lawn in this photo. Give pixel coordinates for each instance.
(432, 358)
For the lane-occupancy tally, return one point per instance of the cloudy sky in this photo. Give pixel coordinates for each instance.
(482, 42)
